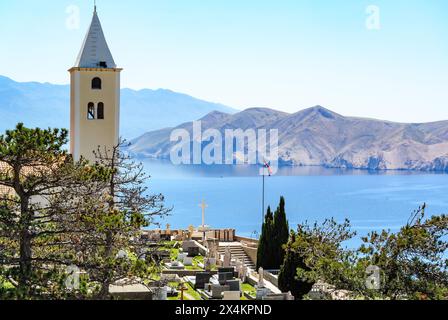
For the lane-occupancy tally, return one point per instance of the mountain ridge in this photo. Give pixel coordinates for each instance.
(317, 136)
(48, 105)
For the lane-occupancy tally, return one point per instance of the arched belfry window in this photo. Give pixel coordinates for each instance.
(91, 111)
(96, 83)
(100, 111)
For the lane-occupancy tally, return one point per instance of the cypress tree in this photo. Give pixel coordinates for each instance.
(281, 234)
(274, 235)
(265, 245)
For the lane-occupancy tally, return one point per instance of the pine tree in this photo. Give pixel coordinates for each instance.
(59, 213)
(111, 247)
(35, 169)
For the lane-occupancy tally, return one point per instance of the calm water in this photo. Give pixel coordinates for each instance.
(370, 200)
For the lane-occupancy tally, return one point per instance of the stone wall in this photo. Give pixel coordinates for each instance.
(251, 252)
(250, 247)
(269, 276)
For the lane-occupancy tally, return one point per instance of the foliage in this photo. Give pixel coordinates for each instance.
(281, 233)
(264, 251)
(60, 214)
(287, 278)
(412, 262)
(111, 216)
(35, 170)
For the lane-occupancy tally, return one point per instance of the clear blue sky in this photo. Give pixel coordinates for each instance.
(287, 54)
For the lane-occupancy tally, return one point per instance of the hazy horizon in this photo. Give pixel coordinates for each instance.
(240, 110)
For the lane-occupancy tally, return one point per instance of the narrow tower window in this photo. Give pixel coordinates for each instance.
(100, 111)
(96, 83)
(91, 111)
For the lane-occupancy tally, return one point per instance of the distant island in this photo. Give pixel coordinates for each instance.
(320, 137)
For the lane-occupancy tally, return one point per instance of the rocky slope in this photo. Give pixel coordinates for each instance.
(320, 137)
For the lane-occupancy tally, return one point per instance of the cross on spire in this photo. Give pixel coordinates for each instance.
(95, 52)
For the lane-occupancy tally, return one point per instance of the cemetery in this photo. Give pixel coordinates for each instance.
(205, 264)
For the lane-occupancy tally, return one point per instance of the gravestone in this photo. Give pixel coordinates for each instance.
(212, 247)
(243, 274)
(217, 256)
(172, 292)
(228, 269)
(224, 277)
(227, 257)
(160, 293)
(181, 256)
(217, 290)
(188, 261)
(209, 263)
(260, 277)
(234, 285)
(193, 251)
(155, 236)
(231, 295)
(161, 255)
(190, 231)
(188, 244)
(261, 293)
(169, 277)
(201, 279)
(130, 292)
(177, 265)
(238, 265)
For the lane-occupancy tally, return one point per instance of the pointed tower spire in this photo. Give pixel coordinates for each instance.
(95, 52)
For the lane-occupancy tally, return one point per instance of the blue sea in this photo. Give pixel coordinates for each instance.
(370, 200)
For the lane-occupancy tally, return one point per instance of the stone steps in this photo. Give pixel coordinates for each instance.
(238, 253)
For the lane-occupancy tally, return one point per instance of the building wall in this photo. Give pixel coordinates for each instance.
(86, 135)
